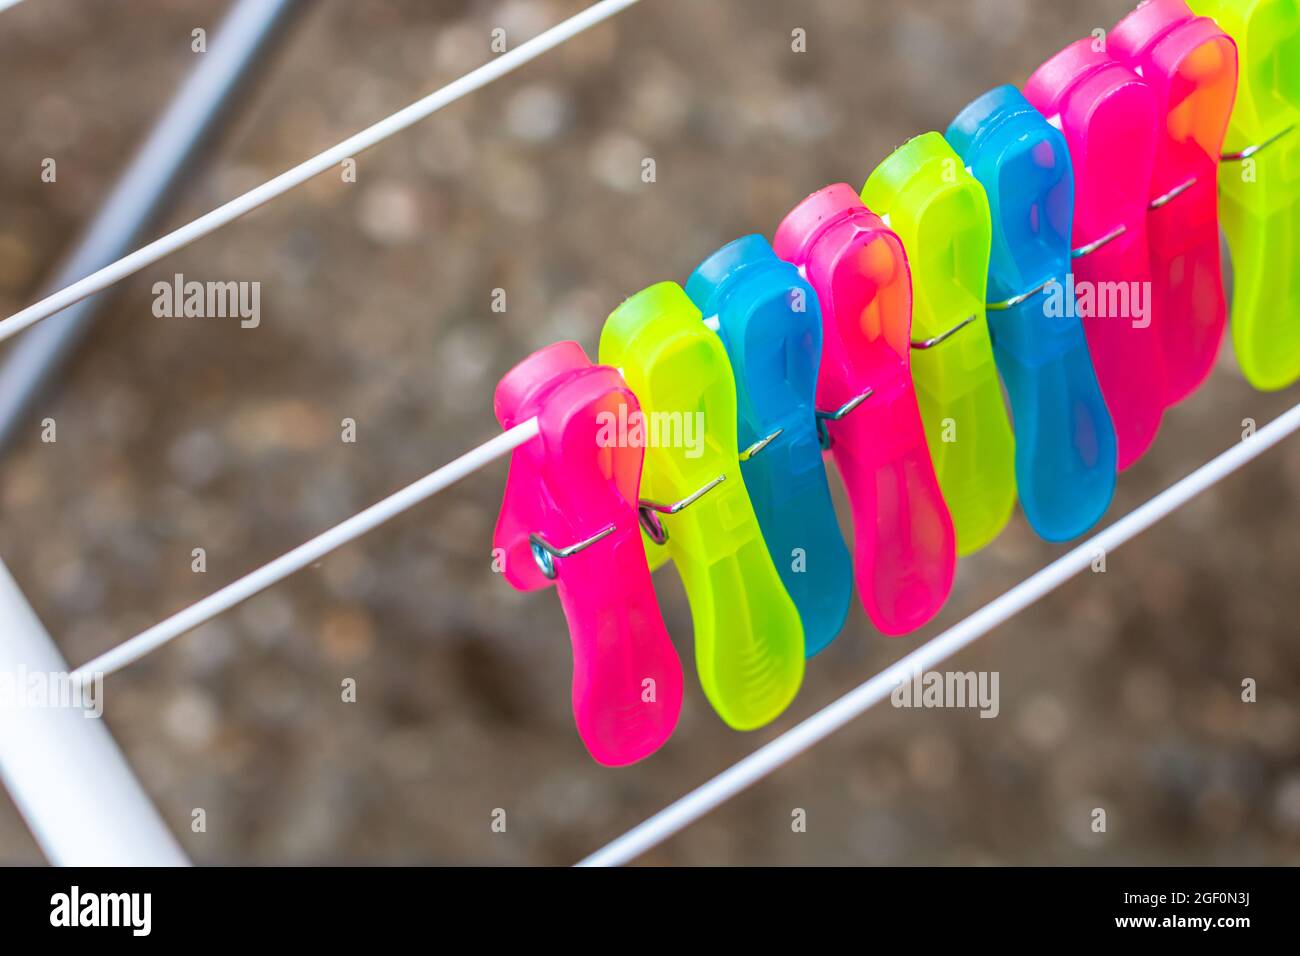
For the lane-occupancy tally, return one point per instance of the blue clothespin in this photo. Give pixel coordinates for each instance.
(1065, 440)
(770, 324)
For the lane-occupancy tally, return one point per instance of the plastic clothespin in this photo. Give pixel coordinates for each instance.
(905, 546)
(1065, 441)
(1108, 115)
(1259, 187)
(940, 213)
(1191, 66)
(570, 518)
(749, 643)
(769, 321)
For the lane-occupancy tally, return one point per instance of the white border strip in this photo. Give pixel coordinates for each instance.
(822, 724)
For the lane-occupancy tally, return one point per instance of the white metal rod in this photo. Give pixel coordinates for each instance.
(330, 158)
(300, 557)
(63, 769)
(822, 724)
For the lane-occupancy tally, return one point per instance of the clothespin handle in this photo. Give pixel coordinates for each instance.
(1108, 115)
(769, 321)
(1191, 66)
(905, 548)
(570, 517)
(940, 213)
(749, 644)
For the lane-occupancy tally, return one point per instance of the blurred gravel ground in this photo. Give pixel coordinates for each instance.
(1120, 691)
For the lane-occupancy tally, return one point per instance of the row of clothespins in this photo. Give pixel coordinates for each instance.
(875, 326)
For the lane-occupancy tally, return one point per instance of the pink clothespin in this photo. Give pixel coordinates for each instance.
(905, 550)
(1191, 66)
(1108, 115)
(570, 518)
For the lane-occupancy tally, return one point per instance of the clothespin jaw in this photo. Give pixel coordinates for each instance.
(769, 322)
(1191, 67)
(940, 213)
(570, 518)
(905, 546)
(1108, 115)
(1065, 441)
(749, 643)
(1259, 186)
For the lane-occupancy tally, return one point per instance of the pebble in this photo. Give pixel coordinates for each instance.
(191, 718)
(197, 458)
(615, 160)
(537, 113)
(389, 213)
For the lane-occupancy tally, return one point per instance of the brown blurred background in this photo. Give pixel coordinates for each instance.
(1120, 691)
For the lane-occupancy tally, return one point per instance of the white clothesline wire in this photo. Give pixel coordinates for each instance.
(305, 554)
(228, 213)
(831, 718)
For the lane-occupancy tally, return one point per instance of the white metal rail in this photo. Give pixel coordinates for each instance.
(65, 773)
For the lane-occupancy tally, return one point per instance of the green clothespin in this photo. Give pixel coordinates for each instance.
(749, 643)
(940, 212)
